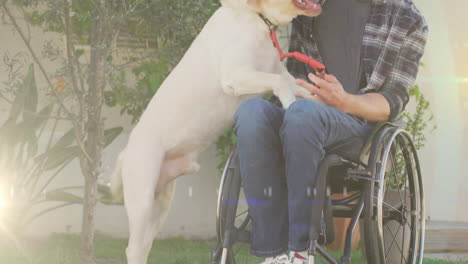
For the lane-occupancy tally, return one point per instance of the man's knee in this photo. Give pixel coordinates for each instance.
(257, 120)
(302, 118)
(249, 107)
(307, 106)
(253, 112)
(306, 112)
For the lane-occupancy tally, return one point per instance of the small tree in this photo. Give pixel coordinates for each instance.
(26, 168)
(80, 99)
(166, 26)
(420, 120)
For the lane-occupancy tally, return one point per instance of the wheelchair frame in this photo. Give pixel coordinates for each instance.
(369, 174)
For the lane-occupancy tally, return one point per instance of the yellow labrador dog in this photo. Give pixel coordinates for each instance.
(231, 60)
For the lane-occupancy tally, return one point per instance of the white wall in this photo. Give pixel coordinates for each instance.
(192, 214)
(444, 79)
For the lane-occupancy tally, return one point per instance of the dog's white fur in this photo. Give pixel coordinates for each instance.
(231, 60)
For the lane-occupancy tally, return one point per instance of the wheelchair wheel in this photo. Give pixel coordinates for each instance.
(233, 220)
(394, 210)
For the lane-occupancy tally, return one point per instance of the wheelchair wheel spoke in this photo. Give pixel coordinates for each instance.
(396, 172)
(401, 251)
(396, 212)
(397, 185)
(392, 207)
(391, 244)
(242, 213)
(395, 243)
(393, 239)
(403, 243)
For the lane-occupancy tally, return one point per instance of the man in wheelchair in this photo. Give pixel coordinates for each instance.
(372, 52)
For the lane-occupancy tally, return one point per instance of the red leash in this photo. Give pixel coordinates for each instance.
(317, 66)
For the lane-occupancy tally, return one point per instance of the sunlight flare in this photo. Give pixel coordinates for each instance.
(3, 204)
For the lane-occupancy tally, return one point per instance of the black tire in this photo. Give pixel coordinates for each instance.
(232, 204)
(394, 219)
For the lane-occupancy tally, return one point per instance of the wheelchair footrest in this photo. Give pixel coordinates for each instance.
(344, 211)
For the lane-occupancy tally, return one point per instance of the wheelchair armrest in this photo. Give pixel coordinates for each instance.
(365, 152)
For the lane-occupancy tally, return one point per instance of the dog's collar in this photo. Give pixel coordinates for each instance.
(271, 26)
(316, 65)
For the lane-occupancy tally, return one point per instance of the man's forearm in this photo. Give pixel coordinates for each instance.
(371, 106)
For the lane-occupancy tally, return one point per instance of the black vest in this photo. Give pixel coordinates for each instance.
(339, 31)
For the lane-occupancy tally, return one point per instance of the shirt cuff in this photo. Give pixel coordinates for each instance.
(395, 102)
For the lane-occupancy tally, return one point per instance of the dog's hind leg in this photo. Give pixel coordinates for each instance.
(140, 174)
(175, 167)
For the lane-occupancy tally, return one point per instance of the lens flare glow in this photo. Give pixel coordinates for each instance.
(3, 202)
(3, 206)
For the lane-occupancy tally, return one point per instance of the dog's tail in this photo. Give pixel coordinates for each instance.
(116, 179)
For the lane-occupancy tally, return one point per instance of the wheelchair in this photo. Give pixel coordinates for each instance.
(382, 183)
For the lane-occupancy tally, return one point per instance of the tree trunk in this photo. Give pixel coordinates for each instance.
(101, 39)
(87, 231)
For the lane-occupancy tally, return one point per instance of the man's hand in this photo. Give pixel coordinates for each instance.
(371, 106)
(328, 91)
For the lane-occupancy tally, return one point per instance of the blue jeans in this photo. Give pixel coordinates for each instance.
(279, 153)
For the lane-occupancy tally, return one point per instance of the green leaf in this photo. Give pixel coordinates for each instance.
(66, 140)
(56, 157)
(105, 195)
(109, 97)
(111, 134)
(79, 52)
(62, 196)
(41, 117)
(25, 132)
(153, 82)
(26, 98)
(16, 108)
(35, 18)
(29, 87)
(37, 120)
(53, 156)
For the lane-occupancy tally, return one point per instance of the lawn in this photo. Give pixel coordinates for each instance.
(64, 249)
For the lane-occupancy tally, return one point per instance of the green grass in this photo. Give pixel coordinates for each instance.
(431, 261)
(64, 249)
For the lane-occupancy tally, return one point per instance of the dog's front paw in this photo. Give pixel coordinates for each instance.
(299, 89)
(287, 103)
(287, 97)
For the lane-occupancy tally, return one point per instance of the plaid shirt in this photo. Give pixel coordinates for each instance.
(393, 43)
